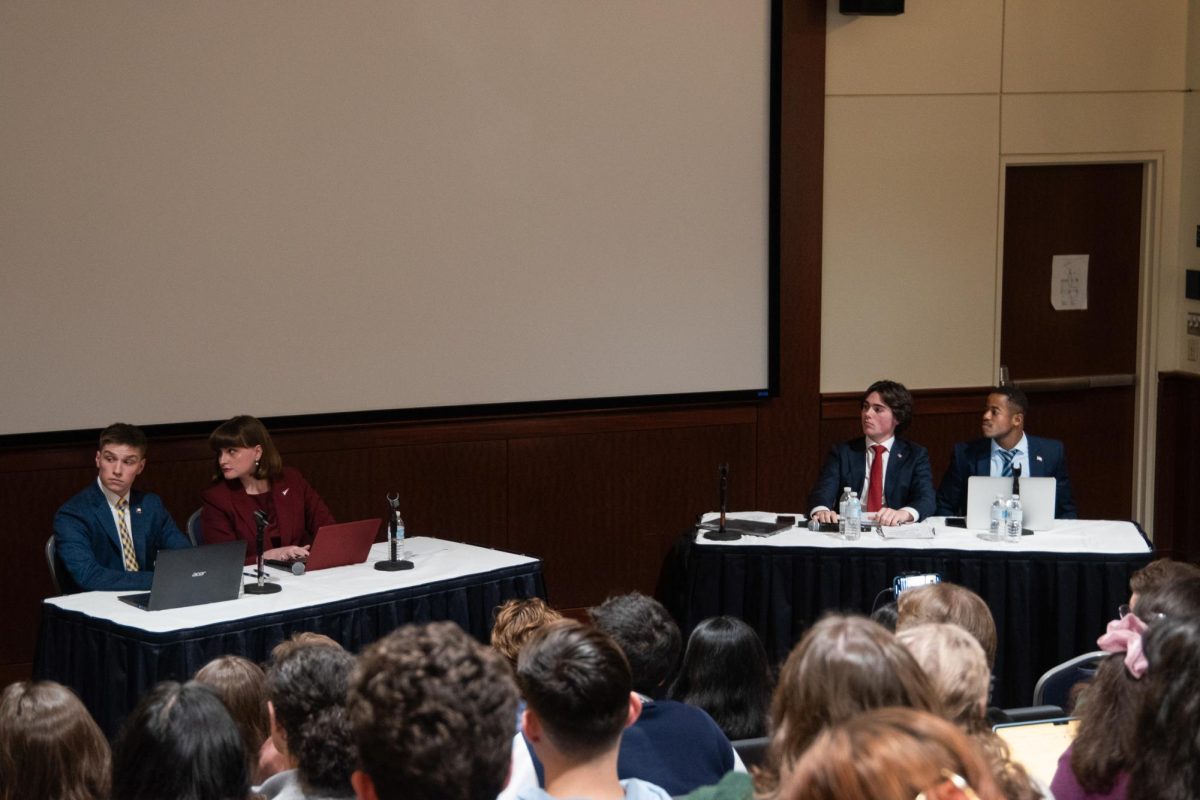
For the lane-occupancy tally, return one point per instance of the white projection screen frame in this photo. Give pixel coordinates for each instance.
(291, 208)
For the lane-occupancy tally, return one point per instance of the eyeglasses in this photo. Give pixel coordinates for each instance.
(955, 783)
(1123, 611)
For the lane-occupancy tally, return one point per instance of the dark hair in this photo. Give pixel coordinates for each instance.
(888, 754)
(1106, 743)
(180, 742)
(577, 681)
(433, 714)
(242, 687)
(126, 434)
(844, 665)
(49, 745)
(887, 615)
(895, 397)
(1168, 762)
(1160, 572)
(246, 431)
(949, 602)
(726, 672)
(516, 622)
(1015, 396)
(647, 635)
(308, 692)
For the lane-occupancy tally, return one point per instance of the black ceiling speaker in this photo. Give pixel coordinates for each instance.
(882, 8)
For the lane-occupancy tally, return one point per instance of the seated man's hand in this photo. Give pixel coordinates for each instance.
(825, 516)
(893, 516)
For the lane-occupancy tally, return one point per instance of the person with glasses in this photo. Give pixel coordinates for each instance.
(892, 754)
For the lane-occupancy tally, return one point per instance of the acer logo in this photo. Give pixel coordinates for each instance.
(200, 574)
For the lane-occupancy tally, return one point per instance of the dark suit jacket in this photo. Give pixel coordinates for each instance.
(1047, 459)
(88, 545)
(908, 481)
(227, 513)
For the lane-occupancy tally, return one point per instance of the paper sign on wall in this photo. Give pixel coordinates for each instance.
(1069, 283)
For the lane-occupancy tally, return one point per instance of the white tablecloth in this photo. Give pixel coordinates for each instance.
(1067, 536)
(434, 560)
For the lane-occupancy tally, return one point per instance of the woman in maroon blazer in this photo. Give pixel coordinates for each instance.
(250, 477)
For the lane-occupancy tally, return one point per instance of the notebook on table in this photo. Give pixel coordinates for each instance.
(336, 545)
(1037, 501)
(192, 576)
(1038, 745)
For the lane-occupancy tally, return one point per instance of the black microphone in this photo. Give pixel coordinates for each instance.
(261, 586)
(1016, 490)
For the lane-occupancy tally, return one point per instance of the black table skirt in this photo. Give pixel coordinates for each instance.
(109, 666)
(1048, 607)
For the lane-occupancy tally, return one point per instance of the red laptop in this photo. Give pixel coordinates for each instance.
(338, 545)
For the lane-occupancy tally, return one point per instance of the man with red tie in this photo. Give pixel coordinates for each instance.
(890, 474)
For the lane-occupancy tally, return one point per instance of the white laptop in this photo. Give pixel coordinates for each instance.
(1037, 501)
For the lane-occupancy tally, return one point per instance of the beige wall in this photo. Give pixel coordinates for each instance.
(925, 110)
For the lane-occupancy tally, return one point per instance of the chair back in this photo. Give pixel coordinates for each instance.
(752, 751)
(52, 565)
(1054, 687)
(192, 529)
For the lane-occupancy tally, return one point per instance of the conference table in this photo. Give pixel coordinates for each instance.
(1051, 594)
(109, 652)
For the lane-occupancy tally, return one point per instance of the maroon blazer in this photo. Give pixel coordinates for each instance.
(227, 513)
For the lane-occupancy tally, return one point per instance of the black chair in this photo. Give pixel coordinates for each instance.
(192, 529)
(1033, 713)
(752, 751)
(52, 564)
(1054, 687)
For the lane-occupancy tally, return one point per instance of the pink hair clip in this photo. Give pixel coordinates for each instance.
(1124, 635)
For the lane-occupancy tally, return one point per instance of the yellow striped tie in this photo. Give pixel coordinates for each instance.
(128, 555)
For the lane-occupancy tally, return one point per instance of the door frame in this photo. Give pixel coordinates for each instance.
(1149, 276)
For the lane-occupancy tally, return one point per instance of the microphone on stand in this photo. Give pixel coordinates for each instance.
(721, 534)
(395, 525)
(1016, 489)
(261, 586)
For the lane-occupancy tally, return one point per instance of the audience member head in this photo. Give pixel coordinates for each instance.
(242, 687)
(886, 615)
(891, 754)
(516, 622)
(949, 602)
(1157, 574)
(246, 433)
(726, 672)
(180, 742)
(844, 665)
(579, 691)
(309, 723)
(957, 669)
(647, 635)
(300, 640)
(1168, 725)
(1109, 705)
(417, 698)
(897, 398)
(49, 745)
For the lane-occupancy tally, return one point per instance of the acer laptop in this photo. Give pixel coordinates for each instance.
(1037, 501)
(192, 576)
(337, 546)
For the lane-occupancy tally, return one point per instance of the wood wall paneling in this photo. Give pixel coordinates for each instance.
(1177, 468)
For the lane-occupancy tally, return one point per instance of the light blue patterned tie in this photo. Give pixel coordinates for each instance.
(1007, 457)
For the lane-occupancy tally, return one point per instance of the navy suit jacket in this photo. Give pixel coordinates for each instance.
(908, 481)
(1047, 459)
(88, 545)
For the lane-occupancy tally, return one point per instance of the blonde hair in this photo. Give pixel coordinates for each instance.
(956, 665)
(949, 602)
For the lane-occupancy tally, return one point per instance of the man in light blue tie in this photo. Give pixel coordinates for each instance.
(1005, 446)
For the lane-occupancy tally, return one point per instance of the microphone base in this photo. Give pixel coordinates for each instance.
(722, 536)
(393, 566)
(266, 588)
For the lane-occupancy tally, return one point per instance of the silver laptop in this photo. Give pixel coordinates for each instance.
(192, 576)
(1037, 501)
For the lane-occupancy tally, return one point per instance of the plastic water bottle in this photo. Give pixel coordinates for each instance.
(1015, 518)
(853, 518)
(998, 528)
(842, 510)
(399, 535)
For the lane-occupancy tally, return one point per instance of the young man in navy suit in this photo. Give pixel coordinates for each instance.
(108, 535)
(890, 474)
(1005, 445)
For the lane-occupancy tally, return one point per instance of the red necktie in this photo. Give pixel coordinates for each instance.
(875, 489)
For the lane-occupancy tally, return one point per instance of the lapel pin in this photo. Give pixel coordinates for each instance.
(285, 491)
(137, 510)
(1039, 458)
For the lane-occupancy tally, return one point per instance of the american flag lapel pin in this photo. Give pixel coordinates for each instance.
(137, 510)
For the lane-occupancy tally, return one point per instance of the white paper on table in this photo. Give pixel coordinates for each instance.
(915, 530)
(1069, 283)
